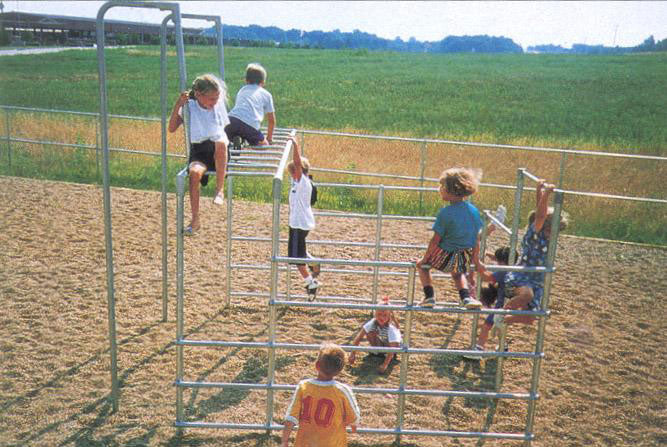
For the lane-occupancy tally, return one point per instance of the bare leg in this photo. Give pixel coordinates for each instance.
(523, 297)
(220, 166)
(483, 334)
(303, 270)
(197, 170)
(424, 275)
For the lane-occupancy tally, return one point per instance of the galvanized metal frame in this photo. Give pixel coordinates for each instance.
(104, 138)
(164, 112)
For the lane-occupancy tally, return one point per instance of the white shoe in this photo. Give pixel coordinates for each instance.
(501, 213)
(478, 348)
(472, 303)
(219, 198)
(314, 284)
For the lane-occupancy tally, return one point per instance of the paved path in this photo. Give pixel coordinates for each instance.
(40, 50)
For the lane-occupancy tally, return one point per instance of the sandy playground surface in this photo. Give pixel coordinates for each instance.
(603, 380)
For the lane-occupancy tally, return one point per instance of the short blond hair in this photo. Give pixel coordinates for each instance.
(331, 359)
(461, 182)
(255, 74)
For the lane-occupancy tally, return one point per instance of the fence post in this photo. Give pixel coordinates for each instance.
(9, 141)
(228, 267)
(405, 355)
(180, 193)
(422, 169)
(516, 215)
(561, 174)
(378, 242)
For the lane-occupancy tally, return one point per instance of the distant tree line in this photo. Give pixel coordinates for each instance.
(271, 36)
(648, 45)
(255, 35)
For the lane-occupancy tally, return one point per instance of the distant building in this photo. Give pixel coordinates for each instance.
(47, 29)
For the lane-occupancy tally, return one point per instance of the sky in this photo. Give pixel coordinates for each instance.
(525, 22)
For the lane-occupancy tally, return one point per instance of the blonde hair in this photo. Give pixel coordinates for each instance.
(305, 166)
(208, 83)
(461, 182)
(331, 359)
(564, 218)
(392, 317)
(255, 74)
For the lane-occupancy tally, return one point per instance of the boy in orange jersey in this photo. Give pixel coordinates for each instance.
(322, 407)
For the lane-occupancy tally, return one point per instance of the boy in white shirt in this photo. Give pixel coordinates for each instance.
(301, 218)
(253, 101)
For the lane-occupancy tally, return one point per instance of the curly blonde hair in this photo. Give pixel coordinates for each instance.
(461, 182)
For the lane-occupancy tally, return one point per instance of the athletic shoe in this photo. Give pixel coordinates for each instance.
(501, 213)
(219, 198)
(471, 303)
(427, 302)
(237, 142)
(498, 325)
(473, 356)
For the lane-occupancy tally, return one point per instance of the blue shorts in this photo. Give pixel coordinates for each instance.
(515, 279)
(296, 243)
(236, 127)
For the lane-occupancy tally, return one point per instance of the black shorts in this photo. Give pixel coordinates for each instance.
(236, 127)
(203, 152)
(296, 245)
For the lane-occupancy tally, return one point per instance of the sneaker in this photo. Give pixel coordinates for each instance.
(219, 198)
(190, 230)
(237, 142)
(311, 289)
(501, 213)
(473, 356)
(427, 302)
(314, 270)
(471, 303)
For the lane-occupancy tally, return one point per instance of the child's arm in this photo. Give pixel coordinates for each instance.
(543, 191)
(287, 430)
(271, 117)
(353, 355)
(296, 156)
(176, 120)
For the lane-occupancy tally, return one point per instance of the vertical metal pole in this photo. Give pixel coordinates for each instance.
(378, 241)
(404, 355)
(180, 193)
(111, 300)
(98, 148)
(514, 237)
(163, 106)
(275, 240)
(544, 305)
(9, 141)
(221, 55)
(228, 267)
(563, 163)
(478, 283)
(422, 170)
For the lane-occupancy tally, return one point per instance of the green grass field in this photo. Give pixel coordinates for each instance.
(605, 103)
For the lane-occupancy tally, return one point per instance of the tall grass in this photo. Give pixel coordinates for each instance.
(610, 103)
(604, 102)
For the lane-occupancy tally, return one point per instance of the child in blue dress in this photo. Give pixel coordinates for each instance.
(455, 241)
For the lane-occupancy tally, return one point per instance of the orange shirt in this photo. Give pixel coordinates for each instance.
(322, 410)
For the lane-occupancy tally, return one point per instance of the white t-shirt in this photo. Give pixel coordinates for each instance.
(207, 124)
(252, 102)
(388, 334)
(300, 213)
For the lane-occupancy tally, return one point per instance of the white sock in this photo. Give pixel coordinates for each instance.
(308, 280)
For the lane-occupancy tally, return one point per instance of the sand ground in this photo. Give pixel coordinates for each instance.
(603, 380)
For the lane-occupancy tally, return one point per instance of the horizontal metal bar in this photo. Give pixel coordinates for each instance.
(388, 431)
(486, 145)
(316, 347)
(361, 390)
(357, 262)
